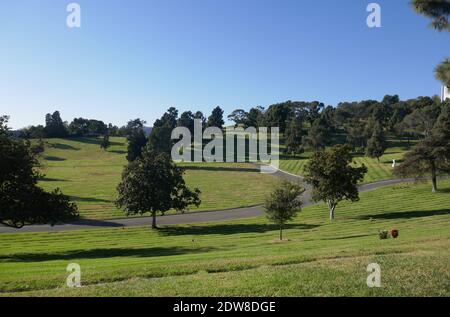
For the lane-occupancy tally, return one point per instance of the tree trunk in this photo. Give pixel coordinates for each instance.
(281, 233)
(433, 177)
(332, 207)
(154, 221)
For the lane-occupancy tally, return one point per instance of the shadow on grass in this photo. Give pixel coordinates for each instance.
(117, 151)
(61, 146)
(219, 169)
(89, 199)
(102, 254)
(96, 141)
(49, 179)
(407, 214)
(54, 158)
(229, 229)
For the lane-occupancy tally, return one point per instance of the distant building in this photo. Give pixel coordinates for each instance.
(445, 93)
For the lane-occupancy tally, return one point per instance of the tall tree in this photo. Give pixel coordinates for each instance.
(22, 201)
(430, 156)
(160, 137)
(438, 11)
(294, 136)
(154, 184)
(216, 118)
(136, 138)
(319, 135)
(333, 177)
(54, 126)
(377, 144)
(283, 204)
(105, 144)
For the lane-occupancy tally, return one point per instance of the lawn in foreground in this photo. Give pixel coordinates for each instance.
(244, 258)
(90, 176)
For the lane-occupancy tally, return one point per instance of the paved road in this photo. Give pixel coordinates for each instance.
(197, 217)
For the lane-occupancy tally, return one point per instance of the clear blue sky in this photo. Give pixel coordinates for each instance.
(137, 58)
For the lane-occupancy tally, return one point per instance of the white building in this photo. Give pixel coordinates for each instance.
(445, 93)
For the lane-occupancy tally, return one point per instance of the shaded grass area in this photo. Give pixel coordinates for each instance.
(90, 176)
(245, 258)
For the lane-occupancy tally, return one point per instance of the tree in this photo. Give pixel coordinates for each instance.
(377, 144)
(431, 155)
(216, 118)
(153, 183)
(4, 129)
(160, 138)
(187, 120)
(294, 135)
(333, 177)
(105, 144)
(437, 10)
(283, 204)
(22, 201)
(319, 135)
(239, 117)
(355, 133)
(422, 120)
(54, 126)
(136, 138)
(442, 72)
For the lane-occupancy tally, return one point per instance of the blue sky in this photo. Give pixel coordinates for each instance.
(137, 58)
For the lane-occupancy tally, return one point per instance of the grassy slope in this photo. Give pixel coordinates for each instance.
(244, 258)
(376, 170)
(90, 176)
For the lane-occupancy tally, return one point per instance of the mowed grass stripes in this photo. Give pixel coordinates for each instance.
(244, 250)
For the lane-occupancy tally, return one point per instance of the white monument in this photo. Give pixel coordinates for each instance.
(445, 93)
(393, 163)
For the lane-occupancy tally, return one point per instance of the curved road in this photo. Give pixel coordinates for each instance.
(195, 217)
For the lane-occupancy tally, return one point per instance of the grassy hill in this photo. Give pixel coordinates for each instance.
(377, 171)
(244, 258)
(90, 176)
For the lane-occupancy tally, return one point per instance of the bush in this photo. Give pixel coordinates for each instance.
(383, 234)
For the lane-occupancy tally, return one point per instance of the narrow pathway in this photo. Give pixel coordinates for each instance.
(195, 217)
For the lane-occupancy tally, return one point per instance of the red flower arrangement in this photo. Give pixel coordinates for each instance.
(394, 233)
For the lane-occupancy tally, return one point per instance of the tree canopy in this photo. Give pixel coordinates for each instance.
(333, 177)
(154, 184)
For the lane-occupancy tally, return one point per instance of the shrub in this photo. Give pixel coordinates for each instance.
(383, 234)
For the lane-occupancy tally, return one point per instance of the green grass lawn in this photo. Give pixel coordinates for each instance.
(377, 171)
(90, 176)
(244, 257)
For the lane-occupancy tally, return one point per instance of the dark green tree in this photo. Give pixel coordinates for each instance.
(377, 144)
(136, 138)
(283, 204)
(294, 136)
(22, 201)
(160, 137)
(154, 184)
(319, 135)
(105, 144)
(332, 176)
(54, 126)
(430, 156)
(438, 11)
(216, 118)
